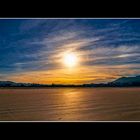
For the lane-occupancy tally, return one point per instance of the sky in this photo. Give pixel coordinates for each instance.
(32, 50)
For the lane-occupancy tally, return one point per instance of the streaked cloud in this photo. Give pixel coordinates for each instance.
(107, 49)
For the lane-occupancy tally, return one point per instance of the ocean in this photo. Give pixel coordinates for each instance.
(70, 104)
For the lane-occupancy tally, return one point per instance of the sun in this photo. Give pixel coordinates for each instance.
(70, 59)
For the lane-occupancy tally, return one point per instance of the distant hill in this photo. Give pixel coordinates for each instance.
(121, 82)
(14, 84)
(6, 83)
(127, 80)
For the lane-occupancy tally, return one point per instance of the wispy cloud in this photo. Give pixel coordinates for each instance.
(106, 50)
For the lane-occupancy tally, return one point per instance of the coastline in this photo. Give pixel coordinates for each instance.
(60, 87)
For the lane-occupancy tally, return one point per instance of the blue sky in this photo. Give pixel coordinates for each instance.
(31, 49)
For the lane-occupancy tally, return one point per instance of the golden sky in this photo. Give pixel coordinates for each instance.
(69, 51)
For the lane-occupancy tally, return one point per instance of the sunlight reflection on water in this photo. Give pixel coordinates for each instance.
(75, 104)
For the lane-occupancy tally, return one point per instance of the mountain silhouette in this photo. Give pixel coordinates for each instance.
(127, 80)
(120, 82)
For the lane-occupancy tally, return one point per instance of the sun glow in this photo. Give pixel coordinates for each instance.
(70, 59)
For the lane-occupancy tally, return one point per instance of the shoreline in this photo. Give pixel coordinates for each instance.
(60, 87)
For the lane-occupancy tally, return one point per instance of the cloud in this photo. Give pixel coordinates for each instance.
(102, 46)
